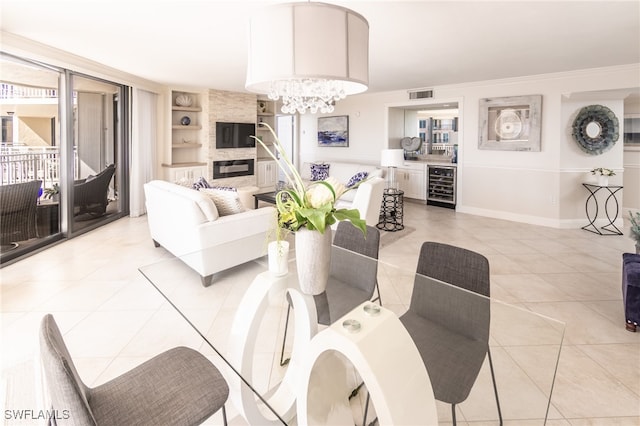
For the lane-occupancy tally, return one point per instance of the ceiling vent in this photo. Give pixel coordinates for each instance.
(421, 94)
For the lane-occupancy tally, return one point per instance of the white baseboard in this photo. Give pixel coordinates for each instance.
(536, 220)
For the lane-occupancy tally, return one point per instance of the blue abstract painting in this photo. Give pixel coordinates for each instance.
(333, 131)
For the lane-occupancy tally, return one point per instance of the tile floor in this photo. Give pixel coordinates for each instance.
(113, 319)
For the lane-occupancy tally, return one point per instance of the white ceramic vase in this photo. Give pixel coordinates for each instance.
(603, 180)
(278, 252)
(313, 258)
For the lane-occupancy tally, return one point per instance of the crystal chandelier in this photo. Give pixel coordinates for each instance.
(309, 94)
(310, 55)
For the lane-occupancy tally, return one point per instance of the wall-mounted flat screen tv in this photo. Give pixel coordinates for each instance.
(235, 135)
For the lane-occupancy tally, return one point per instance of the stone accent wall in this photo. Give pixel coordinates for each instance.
(236, 108)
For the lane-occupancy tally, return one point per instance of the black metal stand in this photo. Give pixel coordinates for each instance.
(391, 210)
(591, 227)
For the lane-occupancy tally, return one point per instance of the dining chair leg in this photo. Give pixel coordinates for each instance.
(378, 298)
(366, 410)
(224, 415)
(453, 414)
(284, 362)
(495, 387)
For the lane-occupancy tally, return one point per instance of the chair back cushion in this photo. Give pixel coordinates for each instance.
(66, 389)
(360, 272)
(456, 306)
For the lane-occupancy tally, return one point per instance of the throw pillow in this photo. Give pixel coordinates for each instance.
(225, 188)
(357, 178)
(227, 202)
(319, 171)
(201, 183)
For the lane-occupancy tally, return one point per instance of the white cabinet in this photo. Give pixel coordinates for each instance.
(411, 179)
(267, 174)
(185, 174)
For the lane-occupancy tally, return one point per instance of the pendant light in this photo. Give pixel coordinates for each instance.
(309, 54)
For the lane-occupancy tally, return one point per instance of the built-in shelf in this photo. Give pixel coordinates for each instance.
(192, 164)
(189, 127)
(184, 108)
(186, 145)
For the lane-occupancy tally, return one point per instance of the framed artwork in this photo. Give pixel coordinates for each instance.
(333, 131)
(511, 123)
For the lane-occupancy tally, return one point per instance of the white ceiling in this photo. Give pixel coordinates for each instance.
(413, 44)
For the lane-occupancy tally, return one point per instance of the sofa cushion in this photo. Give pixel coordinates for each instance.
(227, 200)
(319, 171)
(207, 211)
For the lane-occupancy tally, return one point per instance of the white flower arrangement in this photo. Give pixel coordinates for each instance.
(310, 207)
(601, 171)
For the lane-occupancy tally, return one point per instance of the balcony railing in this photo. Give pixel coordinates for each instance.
(10, 91)
(23, 164)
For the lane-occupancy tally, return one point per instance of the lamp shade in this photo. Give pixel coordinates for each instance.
(303, 41)
(392, 158)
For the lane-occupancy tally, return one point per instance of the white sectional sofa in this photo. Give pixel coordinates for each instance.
(186, 223)
(367, 198)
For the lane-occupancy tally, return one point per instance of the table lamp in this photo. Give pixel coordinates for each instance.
(392, 158)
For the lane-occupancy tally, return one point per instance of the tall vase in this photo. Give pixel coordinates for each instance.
(313, 258)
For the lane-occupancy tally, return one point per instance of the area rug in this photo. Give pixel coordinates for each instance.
(387, 237)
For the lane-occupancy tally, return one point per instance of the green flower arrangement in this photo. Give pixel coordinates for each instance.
(635, 227)
(310, 207)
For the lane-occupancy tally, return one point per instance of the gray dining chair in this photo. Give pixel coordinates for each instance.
(450, 323)
(179, 386)
(352, 279)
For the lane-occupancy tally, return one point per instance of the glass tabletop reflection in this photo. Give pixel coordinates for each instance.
(248, 299)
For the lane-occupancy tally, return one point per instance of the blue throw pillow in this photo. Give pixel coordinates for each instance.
(201, 183)
(357, 178)
(319, 171)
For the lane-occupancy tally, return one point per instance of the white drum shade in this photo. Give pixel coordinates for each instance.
(392, 158)
(308, 42)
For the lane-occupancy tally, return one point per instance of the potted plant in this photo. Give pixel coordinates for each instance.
(310, 212)
(52, 193)
(602, 174)
(635, 229)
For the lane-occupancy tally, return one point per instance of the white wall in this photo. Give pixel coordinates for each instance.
(632, 163)
(534, 187)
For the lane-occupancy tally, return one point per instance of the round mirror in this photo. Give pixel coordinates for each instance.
(593, 129)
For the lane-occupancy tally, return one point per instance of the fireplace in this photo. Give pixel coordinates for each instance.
(232, 168)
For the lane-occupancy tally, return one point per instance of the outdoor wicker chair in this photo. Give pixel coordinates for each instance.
(18, 203)
(90, 194)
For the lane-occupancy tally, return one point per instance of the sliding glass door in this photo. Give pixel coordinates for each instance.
(63, 154)
(99, 157)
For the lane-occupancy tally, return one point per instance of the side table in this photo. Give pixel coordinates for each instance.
(47, 218)
(593, 190)
(391, 210)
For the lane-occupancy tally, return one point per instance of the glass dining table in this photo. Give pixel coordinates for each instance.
(365, 364)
